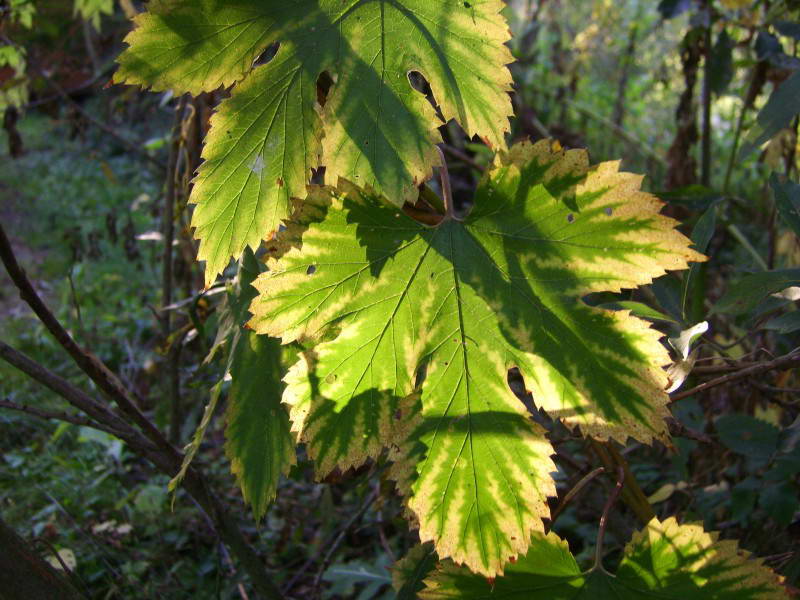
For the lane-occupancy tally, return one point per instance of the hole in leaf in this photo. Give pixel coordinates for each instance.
(570, 218)
(467, 5)
(311, 269)
(419, 83)
(608, 210)
(267, 55)
(324, 83)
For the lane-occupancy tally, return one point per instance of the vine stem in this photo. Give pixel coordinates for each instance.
(784, 362)
(601, 532)
(571, 494)
(447, 191)
(632, 494)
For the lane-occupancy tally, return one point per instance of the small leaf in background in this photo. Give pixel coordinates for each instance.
(359, 580)
(786, 323)
(665, 492)
(748, 436)
(67, 557)
(787, 200)
(664, 560)
(409, 572)
(701, 237)
(767, 46)
(744, 295)
(780, 500)
(783, 105)
(670, 9)
(721, 65)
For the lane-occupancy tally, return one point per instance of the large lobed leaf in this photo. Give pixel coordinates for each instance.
(392, 301)
(664, 560)
(375, 129)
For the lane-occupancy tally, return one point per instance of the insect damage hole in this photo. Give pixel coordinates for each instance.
(311, 269)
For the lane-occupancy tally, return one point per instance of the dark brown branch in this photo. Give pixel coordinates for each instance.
(598, 551)
(88, 363)
(76, 397)
(784, 362)
(632, 494)
(574, 491)
(58, 416)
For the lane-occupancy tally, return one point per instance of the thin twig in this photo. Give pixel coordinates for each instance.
(463, 157)
(601, 532)
(58, 416)
(334, 547)
(447, 192)
(784, 362)
(571, 494)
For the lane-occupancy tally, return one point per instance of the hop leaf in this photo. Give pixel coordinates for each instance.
(393, 301)
(664, 560)
(378, 130)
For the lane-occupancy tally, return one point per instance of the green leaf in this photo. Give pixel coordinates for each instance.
(374, 129)
(780, 501)
(258, 441)
(743, 296)
(664, 560)
(748, 436)
(638, 309)
(785, 323)
(721, 65)
(371, 579)
(787, 200)
(780, 109)
(457, 305)
(701, 236)
(410, 571)
(93, 10)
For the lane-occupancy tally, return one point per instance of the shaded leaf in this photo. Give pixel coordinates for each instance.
(744, 295)
(785, 323)
(258, 441)
(410, 571)
(638, 309)
(787, 200)
(783, 105)
(721, 63)
(748, 436)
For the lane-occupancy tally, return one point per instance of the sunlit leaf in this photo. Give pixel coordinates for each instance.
(467, 301)
(375, 129)
(664, 560)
